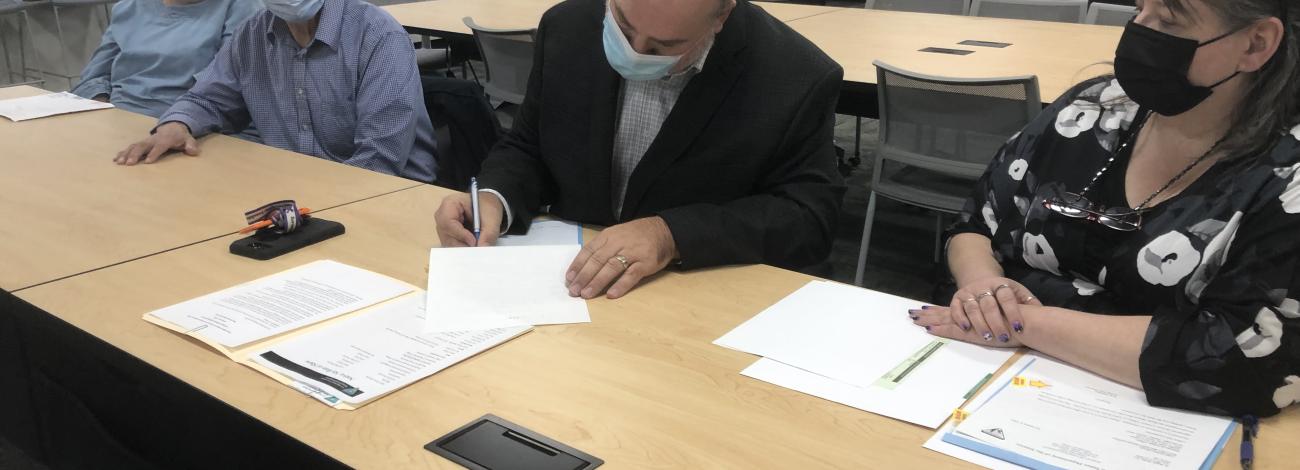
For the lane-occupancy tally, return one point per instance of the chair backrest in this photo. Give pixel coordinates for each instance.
(951, 7)
(464, 126)
(1068, 11)
(508, 57)
(1110, 14)
(920, 115)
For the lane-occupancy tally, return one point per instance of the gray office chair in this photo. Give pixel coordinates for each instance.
(20, 8)
(950, 7)
(937, 136)
(1067, 11)
(1110, 14)
(58, 24)
(507, 60)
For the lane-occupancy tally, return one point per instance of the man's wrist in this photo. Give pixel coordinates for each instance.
(184, 126)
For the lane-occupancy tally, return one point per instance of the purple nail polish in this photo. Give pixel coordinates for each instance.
(988, 336)
(927, 328)
(924, 307)
(1018, 327)
(1004, 338)
(915, 318)
(965, 326)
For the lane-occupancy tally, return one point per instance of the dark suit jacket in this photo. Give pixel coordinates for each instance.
(743, 170)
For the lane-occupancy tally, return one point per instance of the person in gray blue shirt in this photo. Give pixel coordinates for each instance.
(336, 79)
(153, 50)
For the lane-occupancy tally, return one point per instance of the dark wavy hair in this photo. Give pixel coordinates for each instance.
(1269, 107)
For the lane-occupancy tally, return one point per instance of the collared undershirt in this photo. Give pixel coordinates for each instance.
(643, 108)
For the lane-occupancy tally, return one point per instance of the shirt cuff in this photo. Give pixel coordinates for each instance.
(197, 129)
(510, 218)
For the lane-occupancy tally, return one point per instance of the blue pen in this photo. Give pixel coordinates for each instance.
(1249, 428)
(473, 202)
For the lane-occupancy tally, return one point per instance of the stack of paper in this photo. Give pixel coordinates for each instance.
(53, 104)
(1046, 414)
(501, 287)
(546, 232)
(859, 348)
(340, 334)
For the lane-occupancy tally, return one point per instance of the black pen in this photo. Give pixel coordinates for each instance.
(1249, 428)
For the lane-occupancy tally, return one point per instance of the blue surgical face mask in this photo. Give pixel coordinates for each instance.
(629, 63)
(294, 11)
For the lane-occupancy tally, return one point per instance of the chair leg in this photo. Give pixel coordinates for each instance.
(4, 48)
(938, 236)
(866, 240)
(27, 31)
(63, 44)
(857, 141)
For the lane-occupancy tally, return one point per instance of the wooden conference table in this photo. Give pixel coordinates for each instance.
(67, 209)
(641, 386)
(1060, 54)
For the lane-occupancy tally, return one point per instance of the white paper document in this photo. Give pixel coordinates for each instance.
(1046, 414)
(280, 303)
(546, 232)
(52, 104)
(866, 351)
(364, 357)
(499, 287)
(937, 444)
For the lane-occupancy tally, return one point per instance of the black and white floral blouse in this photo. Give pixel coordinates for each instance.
(1217, 266)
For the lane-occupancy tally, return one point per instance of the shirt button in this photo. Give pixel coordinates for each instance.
(300, 91)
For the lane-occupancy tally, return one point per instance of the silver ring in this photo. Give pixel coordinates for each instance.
(1028, 298)
(1000, 287)
(623, 259)
(983, 295)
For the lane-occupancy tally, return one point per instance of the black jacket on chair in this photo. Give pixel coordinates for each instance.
(743, 170)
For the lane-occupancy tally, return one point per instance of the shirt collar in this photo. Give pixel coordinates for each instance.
(328, 31)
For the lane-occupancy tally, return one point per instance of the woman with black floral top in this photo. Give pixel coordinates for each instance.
(1146, 226)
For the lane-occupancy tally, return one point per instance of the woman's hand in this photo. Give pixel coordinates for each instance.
(989, 308)
(939, 322)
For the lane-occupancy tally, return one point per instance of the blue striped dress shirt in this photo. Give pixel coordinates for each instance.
(353, 95)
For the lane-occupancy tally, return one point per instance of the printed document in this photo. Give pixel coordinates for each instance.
(279, 303)
(1047, 414)
(360, 358)
(52, 104)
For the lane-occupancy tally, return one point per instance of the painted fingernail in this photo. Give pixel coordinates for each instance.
(924, 307)
(927, 328)
(1017, 327)
(988, 336)
(965, 326)
(914, 317)
(1004, 338)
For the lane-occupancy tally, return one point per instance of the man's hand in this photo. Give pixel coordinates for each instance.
(168, 137)
(456, 212)
(627, 252)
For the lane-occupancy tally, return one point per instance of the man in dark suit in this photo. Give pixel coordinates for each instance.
(699, 131)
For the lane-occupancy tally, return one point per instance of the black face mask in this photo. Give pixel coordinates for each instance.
(1152, 67)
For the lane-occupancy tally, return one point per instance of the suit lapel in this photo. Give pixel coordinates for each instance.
(604, 107)
(694, 109)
